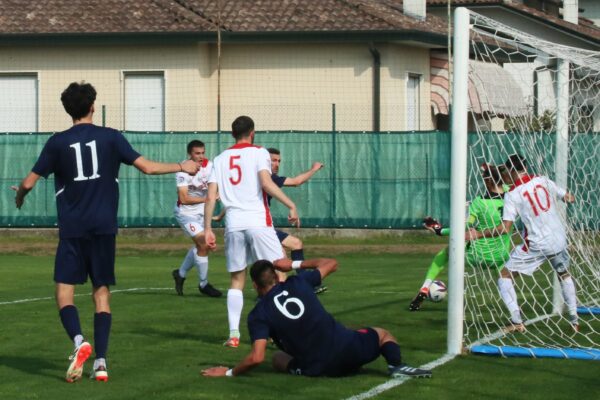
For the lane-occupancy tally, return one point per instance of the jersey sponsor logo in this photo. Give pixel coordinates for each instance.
(284, 307)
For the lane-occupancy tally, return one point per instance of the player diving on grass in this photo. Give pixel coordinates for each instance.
(189, 213)
(288, 241)
(534, 200)
(311, 341)
(484, 212)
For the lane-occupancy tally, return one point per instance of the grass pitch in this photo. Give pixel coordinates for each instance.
(160, 342)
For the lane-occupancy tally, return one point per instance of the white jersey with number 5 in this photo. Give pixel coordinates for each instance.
(236, 173)
(534, 199)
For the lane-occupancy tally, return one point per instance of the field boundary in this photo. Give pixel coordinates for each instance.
(3, 303)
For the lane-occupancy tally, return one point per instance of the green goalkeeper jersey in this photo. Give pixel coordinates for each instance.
(485, 213)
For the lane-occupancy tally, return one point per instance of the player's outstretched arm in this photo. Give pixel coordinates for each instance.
(256, 357)
(209, 209)
(325, 266)
(150, 167)
(274, 191)
(25, 187)
(303, 177)
(502, 229)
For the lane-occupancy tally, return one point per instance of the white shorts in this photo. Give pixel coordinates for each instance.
(191, 224)
(243, 248)
(528, 261)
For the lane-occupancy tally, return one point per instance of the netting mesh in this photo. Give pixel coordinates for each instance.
(515, 107)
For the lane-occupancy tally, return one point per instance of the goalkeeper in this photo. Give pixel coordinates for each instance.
(484, 212)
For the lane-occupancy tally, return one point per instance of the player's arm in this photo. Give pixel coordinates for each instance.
(209, 209)
(219, 217)
(150, 167)
(303, 177)
(325, 266)
(185, 198)
(502, 229)
(274, 191)
(25, 187)
(568, 198)
(256, 357)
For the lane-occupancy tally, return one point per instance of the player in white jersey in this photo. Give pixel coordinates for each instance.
(534, 200)
(242, 177)
(189, 213)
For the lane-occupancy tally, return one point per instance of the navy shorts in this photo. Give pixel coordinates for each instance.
(281, 235)
(362, 347)
(92, 256)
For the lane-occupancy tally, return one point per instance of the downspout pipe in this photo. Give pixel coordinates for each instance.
(376, 87)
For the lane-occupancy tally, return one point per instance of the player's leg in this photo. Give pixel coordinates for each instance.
(438, 264)
(390, 350)
(509, 297)
(281, 361)
(236, 259)
(296, 248)
(190, 228)
(560, 262)
(102, 274)
(201, 260)
(69, 270)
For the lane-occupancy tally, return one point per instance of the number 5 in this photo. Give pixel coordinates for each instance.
(236, 167)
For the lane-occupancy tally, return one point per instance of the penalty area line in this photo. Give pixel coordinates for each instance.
(3, 303)
(392, 383)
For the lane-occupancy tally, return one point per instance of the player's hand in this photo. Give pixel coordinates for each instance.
(317, 166)
(472, 234)
(19, 200)
(569, 198)
(190, 166)
(293, 218)
(218, 218)
(283, 264)
(215, 371)
(432, 225)
(210, 239)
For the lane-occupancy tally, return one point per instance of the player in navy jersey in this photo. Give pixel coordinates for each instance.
(288, 241)
(311, 341)
(85, 161)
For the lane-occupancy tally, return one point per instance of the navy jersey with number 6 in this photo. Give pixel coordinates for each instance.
(85, 161)
(291, 314)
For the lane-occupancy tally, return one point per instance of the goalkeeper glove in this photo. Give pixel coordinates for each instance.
(430, 223)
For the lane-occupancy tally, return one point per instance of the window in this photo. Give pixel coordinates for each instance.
(18, 103)
(144, 101)
(413, 102)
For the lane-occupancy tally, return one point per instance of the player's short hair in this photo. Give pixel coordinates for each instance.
(273, 150)
(489, 171)
(263, 274)
(241, 127)
(78, 98)
(516, 162)
(194, 143)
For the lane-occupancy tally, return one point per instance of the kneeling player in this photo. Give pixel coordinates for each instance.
(312, 342)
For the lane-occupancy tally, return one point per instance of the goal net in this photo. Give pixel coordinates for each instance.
(540, 100)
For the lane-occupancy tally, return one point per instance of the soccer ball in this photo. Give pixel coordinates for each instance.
(437, 291)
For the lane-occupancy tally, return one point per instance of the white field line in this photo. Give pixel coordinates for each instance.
(499, 333)
(392, 383)
(77, 295)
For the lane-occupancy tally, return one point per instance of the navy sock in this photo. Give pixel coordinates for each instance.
(298, 255)
(70, 320)
(391, 352)
(102, 322)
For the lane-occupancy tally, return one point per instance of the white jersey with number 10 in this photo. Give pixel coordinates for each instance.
(235, 171)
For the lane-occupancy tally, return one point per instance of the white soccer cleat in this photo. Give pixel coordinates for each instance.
(100, 374)
(78, 358)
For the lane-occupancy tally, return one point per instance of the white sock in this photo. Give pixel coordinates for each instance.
(78, 339)
(235, 303)
(188, 262)
(426, 284)
(99, 362)
(202, 263)
(508, 294)
(568, 292)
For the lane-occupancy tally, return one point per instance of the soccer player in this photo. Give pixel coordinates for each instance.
(533, 199)
(85, 161)
(313, 343)
(242, 177)
(189, 213)
(484, 212)
(288, 241)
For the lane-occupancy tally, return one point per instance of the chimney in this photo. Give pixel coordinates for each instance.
(571, 11)
(418, 8)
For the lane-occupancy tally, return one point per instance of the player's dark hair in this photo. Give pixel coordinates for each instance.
(516, 162)
(273, 150)
(77, 99)
(194, 143)
(492, 172)
(263, 274)
(241, 127)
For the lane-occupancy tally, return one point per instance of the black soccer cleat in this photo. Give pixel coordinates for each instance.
(178, 282)
(415, 304)
(404, 370)
(320, 289)
(210, 291)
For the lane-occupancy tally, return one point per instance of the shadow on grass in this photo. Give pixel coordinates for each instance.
(33, 366)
